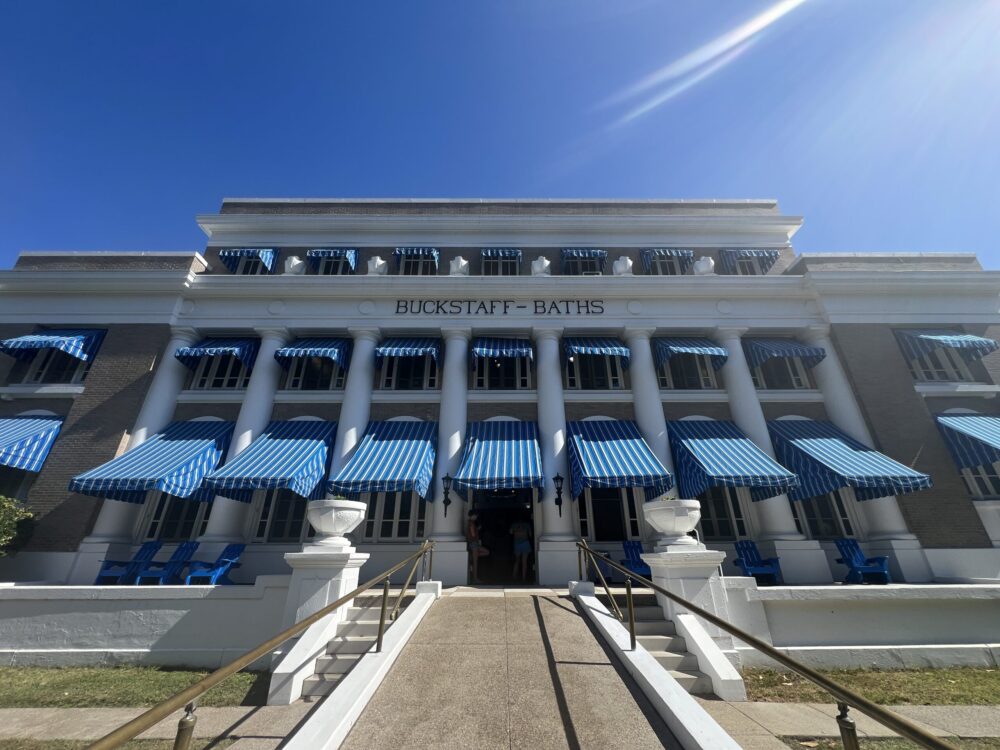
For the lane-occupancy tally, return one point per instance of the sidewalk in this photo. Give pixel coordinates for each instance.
(757, 726)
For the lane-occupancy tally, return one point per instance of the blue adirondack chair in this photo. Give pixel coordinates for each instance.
(124, 571)
(168, 572)
(213, 573)
(862, 569)
(765, 570)
(633, 561)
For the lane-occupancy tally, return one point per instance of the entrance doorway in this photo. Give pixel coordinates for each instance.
(499, 511)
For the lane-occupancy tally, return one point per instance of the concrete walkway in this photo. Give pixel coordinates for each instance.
(507, 670)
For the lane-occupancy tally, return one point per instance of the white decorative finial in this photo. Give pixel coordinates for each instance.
(622, 266)
(541, 266)
(377, 266)
(459, 267)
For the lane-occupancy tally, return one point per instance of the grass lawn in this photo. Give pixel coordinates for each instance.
(957, 686)
(132, 745)
(115, 687)
(804, 743)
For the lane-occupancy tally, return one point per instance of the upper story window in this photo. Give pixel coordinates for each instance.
(608, 514)
(782, 374)
(417, 261)
(936, 356)
(314, 374)
(688, 372)
(823, 517)
(747, 262)
(782, 363)
(333, 267)
(221, 372)
(583, 261)
(596, 372)
(501, 261)
(281, 518)
(409, 374)
(665, 261)
(501, 373)
(940, 365)
(249, 261)
(50, 357)
(176, 519)
(722, 515)
(395, 517)
(334, 261)
(50, 367)
(982, 481)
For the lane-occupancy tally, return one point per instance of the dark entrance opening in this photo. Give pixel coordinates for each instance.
(498, 511)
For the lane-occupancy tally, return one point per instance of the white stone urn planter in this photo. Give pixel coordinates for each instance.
(673, 518)
(332, 517)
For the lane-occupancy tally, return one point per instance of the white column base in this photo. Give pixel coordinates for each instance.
(801, 561)
(907, 561)
(451, 563)
(320, 576)
(989, 514)
(557, 561)
(91, 553)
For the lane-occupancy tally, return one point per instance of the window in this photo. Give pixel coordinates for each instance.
(314, 374)
(749, 267)
(50, 367)
(582, 266)
(823, 516)
(940, 365)
(688, 372)
(608, 514)
(783, 374)
(501, 266)
(595, 372)
(395, 517)
(666, 266)
(224, 372)
(250, 266)
(176, 519)
(282, 518)
(15, 483)
(501, 373)
(415, 265)
(409, 374)
(722, 518)
(982, 481)
(332, 267)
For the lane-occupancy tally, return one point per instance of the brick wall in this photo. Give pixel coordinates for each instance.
(673, 411)
(381, 412)
(482, 412)
(807, 410)
(903, 427)
(93, 433)
(227, 412)
(103, 262)
(328, 412)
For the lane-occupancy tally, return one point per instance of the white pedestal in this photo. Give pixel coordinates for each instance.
(907, 561)
(451, 563)
(801, 560)
(557, 562)
(320, 575)
(90, 554)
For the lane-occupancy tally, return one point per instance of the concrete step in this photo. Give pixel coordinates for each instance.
(336, 663)
(359, 628)
(647, 612)
(663, 643)
(671, 660)
(695, 683)
(350, 644)
(654, 627)
(319, 685)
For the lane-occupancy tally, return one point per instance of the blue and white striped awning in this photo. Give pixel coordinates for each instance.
(290, 455)
(827, 459)
(577, 253)
(174, 461)
(231, 258)
(612, 453)
(709, 453)
(428, 253)
(500, 455)
(339, 350)
(728, 258)
(973, 439)
(599, 345)
(408, 347)
(649, 254)
(25, 442)
(501, 252)
(501, 348)
(392, 457)
(81, 343)
(245, 350)
(758, 351)
(666, 347)
(316, 254)
(971, 348)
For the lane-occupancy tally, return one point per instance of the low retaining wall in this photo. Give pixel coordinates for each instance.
(894, 626)
(177, 626)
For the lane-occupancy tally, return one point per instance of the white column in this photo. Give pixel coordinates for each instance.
(116, 520)
(774, 514)
(646, 399)
(227, 519)
(451, 432)
(356, 408)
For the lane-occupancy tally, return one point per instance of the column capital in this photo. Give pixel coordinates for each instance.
(546, 332)
(448, 333)
(817, 331)
(730, 332)
(638, 333)
(275, 332)
(360, 334)
(183, 332)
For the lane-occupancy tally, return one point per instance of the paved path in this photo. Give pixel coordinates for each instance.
(507, 671)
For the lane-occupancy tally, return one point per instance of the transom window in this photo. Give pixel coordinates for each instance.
(50, 367)
(823, 516)
(314, 374)
(783, 374)
(15, 483)
(749, 267)
(582, 266)
(597, 372)
(409, 374)
(417, 266)
(501, 266)
(250, 266)
(688, 372)
(722, 516)
(982, 481)
(281, 518)
(223, 372)
(501, 373)
(608, 514)
(332, 267)
(940, 365)
(395, 517)
(176, 519)
(666, 266)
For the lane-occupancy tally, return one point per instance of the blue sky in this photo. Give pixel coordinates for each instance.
(876, 121)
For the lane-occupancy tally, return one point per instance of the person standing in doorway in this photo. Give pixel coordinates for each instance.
(475, 544)
(521, 532)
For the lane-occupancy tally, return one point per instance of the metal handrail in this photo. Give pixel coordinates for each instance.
(844, 696)
(186, 698)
